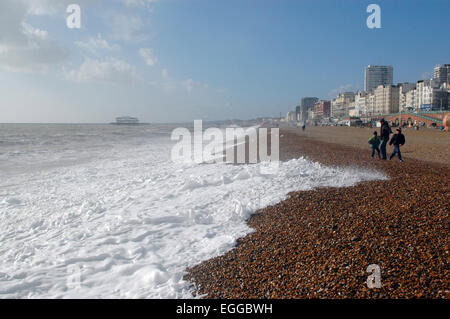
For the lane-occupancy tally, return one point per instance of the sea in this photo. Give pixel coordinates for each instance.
(102, 211)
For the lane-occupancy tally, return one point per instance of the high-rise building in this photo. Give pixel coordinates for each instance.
(442, 72)
(297, 113)
(306, 104)
(376, 75)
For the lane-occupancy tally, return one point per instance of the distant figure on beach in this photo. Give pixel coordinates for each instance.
(397, 140)
(374, 142)
(385, 132)
(303, 126)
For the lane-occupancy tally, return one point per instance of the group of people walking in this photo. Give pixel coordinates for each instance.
(379, 143)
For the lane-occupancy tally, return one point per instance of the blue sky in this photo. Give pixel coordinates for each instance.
(180, 60)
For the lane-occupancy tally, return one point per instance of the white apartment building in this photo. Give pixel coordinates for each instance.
(427, 94)
(386, 99)
(404, 88)
(340, 105)
(291, 116)
(371, 103)
(361, 103)
(352, 111)
(311, 114)
(410, 101)
(376, 75)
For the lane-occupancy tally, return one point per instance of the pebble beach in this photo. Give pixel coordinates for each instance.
(319, 243)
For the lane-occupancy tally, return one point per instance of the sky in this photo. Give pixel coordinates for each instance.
(179, 60)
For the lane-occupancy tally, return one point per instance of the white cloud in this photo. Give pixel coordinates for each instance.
(51, 7)
(165, 74)
(125, 27)
(12, 15)
(427, 75)
(343, 88)
(135, 3)
(169, 84)
(23, 47)
(189, 85)
(109, 70)
(34, 32)
(95, 45)
(42, 7)
(148, 56)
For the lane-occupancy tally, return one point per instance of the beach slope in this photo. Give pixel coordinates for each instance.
(319, 243)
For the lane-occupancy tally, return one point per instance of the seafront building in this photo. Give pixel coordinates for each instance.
(404, 103)
(352, 111)
(340, 105)
(371, 104)
(361, 103)
(311, 114)
(297, 113)
(381, 97)
(386, 99)
(410, 101)
(306, 105)
(442, 73)
(322, 109)
(290, 116)
(431, 95)
(376, 75)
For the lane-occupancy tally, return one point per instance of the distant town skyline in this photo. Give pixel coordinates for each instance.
(380, 97)
(176, 60)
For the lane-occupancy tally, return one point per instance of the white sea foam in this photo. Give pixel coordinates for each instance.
(128, 221)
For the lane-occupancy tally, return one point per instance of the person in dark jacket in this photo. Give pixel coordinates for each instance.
(385, 132)
(397, 140)
(374, 142)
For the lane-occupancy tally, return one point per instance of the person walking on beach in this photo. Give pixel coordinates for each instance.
(303, 126)
(374, 142)
(385, 132)
(397, 140)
